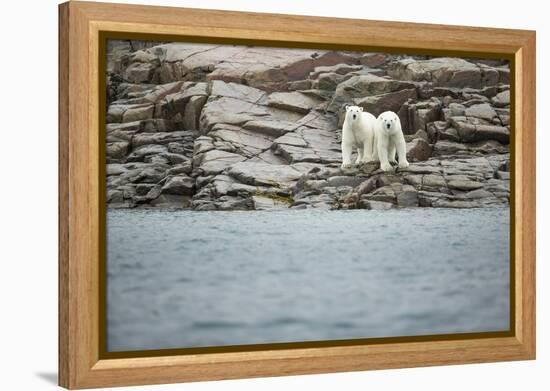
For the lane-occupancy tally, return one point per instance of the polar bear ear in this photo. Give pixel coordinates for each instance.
(360, 108)
(346, 107)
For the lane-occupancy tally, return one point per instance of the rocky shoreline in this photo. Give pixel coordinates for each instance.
(217, 127)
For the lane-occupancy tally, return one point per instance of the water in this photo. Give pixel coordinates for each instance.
(186, 279)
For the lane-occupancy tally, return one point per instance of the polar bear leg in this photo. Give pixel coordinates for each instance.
(359, 156)
(383, 153)
(367, 151)
(346, 155)
(401, 150)
(391, 152)
(375, 157)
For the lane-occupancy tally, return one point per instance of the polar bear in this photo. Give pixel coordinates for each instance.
(357, 131)
(389, 140)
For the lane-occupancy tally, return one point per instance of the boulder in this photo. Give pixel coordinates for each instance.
(418, 150)
(140, 153)
(483, 111)
(179, 185)
(502, 99)
(269, 203)
(245, 142)
(375, 205)
(138, 113)
(392, 101)
(373, 60)
(238, 91)
(461, 183)
(470, 131)
(444, 71)
(339, 69)
(261, 174)
(270, 127)
(160, 138)
(293, 101)
(117, 150)
(139, 72)
(215, 161)
(362, 86)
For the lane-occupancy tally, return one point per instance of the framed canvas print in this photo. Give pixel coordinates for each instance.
(248, 195)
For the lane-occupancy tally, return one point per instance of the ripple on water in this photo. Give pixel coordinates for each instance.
(265, 277)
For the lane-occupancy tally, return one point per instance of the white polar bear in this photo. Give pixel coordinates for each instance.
(389, 140)
(357, 131)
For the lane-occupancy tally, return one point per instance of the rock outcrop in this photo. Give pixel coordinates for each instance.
(219, 127)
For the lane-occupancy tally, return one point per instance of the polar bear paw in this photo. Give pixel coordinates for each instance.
(404, 164)
(346, 165)
(386, 167)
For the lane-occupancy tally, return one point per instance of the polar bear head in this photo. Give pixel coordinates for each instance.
(353, 112)
(389, 121)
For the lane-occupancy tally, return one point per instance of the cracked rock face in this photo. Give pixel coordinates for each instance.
(220, 127)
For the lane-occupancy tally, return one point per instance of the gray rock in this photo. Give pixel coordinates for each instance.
(457, 109)
(247, 143)
(483, 111)
(449, 72)
(392, 101)
(171, 201)
(139, 72)
(329, 81)
(293, 101)
(144, 188)
(503, 175)
(502, 99)
(138, 113)
(160, 138)
(152, 174)
(238, 91)
(115, 112)
(299, 85)
(156, 125)
(273, 128)
(375, 205)
(117, 150)
(407, 197)
(352, 181)
(418, 115)
(265, 174)
(139, 154)
(447, 147)
(340, 69)
(191, 116)
(215, 161)
(477, 194)
(363, 86)
(115, 196)
(179, 185)
(385, 194)
(268, 203)
(374, 60)
(463, 184)
(418, 150)
(433, 181)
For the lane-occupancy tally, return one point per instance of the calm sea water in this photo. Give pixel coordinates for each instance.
(186, 279)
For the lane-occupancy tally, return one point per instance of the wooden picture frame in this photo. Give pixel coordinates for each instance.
(81, 25)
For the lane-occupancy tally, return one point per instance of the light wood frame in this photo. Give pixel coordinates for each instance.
(80, 25)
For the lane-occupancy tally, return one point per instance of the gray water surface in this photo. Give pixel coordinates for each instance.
(179, 279)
